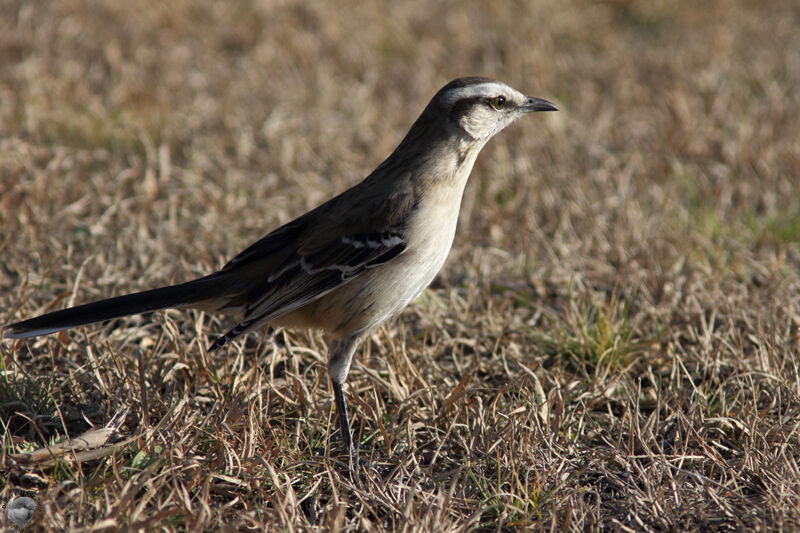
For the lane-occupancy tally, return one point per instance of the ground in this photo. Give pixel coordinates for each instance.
(612, 344)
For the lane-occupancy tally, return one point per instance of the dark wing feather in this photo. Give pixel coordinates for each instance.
(279, 240)
(304, 278)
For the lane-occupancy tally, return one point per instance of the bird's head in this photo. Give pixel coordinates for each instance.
(481, 107)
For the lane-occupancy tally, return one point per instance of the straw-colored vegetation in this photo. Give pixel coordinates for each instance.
(612, 345)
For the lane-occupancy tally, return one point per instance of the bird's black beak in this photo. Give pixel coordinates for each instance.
(537, 104)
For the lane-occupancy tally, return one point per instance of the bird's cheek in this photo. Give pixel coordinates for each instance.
(466, 124)
(473, 125)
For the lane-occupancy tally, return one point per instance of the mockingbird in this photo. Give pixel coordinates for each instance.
(355, 261)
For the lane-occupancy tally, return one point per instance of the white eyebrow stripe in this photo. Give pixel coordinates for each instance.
(471, 91)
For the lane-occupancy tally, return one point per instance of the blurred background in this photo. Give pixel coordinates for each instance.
(648, 232)
(227, 119)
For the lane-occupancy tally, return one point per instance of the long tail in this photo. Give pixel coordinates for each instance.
(206, 289)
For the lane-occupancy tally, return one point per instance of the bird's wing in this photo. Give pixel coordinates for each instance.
(320, 251)
(278, 241)
(310, 274)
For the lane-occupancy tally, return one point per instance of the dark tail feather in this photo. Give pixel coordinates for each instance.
(223, 340)
(183, 294)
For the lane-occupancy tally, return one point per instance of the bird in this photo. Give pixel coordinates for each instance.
(355, 261)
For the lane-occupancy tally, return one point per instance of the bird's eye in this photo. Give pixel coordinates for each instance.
(499, 102)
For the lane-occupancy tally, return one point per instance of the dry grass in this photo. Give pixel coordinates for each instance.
(613, 344)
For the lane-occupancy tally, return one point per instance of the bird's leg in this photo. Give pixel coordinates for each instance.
(344, 422)
(341, 355)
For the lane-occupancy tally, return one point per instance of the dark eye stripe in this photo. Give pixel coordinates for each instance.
(464, 104)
